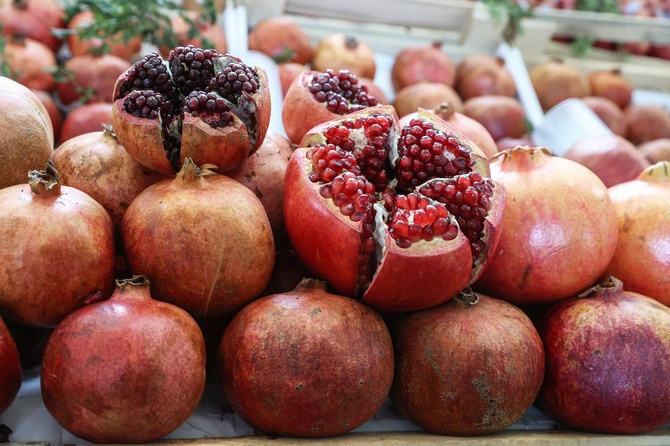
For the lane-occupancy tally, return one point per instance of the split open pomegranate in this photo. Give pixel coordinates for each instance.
(403, 219)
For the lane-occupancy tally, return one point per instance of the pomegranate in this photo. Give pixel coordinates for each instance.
(607, 361)
(656, 150)
(502, 116)
(55, 115)
(199, 104)
(555, 81)
(483, 75)
(563, 228)
(52, 234)
(92, 78)
(95, 163)
(306, 363)
(220, 252)
(11, 373)
(646, 122)
(86, 118)
(636, 48)
(425, 95)
(26, 133)
(315, 97)
(34, 19)
(642, 256)
(382, 212)
(282, 39)
(288, 72)
(374, 90)
(116, 45)
(471, 366)
(613, 158)
(611, 84)
(422, 63)
(30, 62)
(609, 113)
(127, 370)
(506, 142)
(468, 126)
(340, 52)
(208, 35)
(660, 51)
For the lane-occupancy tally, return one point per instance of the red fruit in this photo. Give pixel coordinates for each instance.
(609, 113)
(381, 212)
(642, 256)
(340, 52)
(422, 63)
(26, 133)
(209, 35)
(607, 361)
(95, 163)
(52, 234)
(374, 90)
(661, 51)
(502, 116)
(55, 115)
(561, 229)
(483, 75)
(288, 72)
(127, 370)
(471, 366)
(34, 19)
(220, 252)
(316, 97)
(555, 81)
(115, 45)
(637, 48)
(306, 363)
(93, 78)
(612, 85)
(614, 159)
(426, 95)
(30, 63)
(198, 104)
(646, 122)
(282, 39)
(656, 150)
(507, 142)
(11, 373)
(86, 118)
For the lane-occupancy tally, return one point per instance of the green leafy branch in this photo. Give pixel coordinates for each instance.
(513, 11)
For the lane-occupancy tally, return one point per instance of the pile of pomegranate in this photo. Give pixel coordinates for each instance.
(423, 254)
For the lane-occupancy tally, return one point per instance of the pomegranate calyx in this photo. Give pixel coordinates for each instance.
(190, 172)
(467, 297)
(656, 173)
(445, 110)
(309, 284)
(609, 286)
(351, 42)
(45, 182)
(139, 281)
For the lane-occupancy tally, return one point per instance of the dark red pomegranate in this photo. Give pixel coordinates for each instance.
(198, 103)
(341, 52)
(93, 78)
(502, 116)
(306, 363)
(31, 63)
(422, 63)
(382, 212)
(34, 19)
(204, 239)
(86, 118)
(288, 72)
(127, 370)
(471, 366)
(11, 373)
(57, 253)
(560, 228)
(608, 359)
(282, 39)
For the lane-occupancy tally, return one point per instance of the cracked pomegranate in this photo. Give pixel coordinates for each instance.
(383, 213)
(198, 103)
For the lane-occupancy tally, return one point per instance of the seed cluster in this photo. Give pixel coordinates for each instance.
(416, 217)
(211, 108)
(340, 91)
(234, 79)
(149, 73)
(146, 104)
(329, 161)
(192, 68)
(352, 193)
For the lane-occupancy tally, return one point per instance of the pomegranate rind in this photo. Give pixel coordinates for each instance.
(262, 111)
(493, 227)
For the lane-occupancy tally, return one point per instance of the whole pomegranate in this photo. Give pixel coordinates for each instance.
(95, 163)
(427, 95)
(282, 39)
(52, 234)
(93, 78)
(555, 81)
(422, 63)
(656, 150)
(198, 103)
(204, 239)
(26, 133)
(116, 45)
(561, 228)
(471, 366)
(86, 118)
(382, 212)
(341, 52)
(31, 62)
(54, 112)
(34, 19)
(288, 72)
(306, 363)
(127, 370)
(642, 256)
(613, 158)
(502, 116)
(483, 74)
(646, 122)
(11, 373)
(315, 97)
(611, 84)
(609, 113)
(607, 361)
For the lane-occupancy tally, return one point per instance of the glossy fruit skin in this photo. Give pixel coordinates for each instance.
(306, 363)
(466, 368)
(129, 369)
(642, 257)
(607, 361)
(11, 373)
(560, 228)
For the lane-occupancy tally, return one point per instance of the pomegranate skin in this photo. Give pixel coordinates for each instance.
(11, 373)
(646, 122)
(656, 150)
(471, 366)
(281, 39)
(612, 85)
(501, 116)
(428, 95)
(341, 52)
(220, 252)
(306, 363)
(422, 63)
(607, 361)
(481, 75)
(642, 256)
(117, 47)
(555, 81)
(31, 62)
(86, 118)
(110, 368)
(34, 19)
(95, 72)
(609, 113)
(560, 228)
